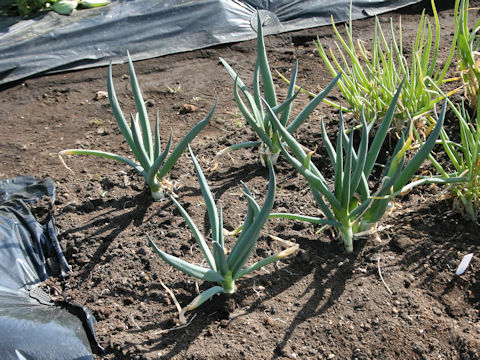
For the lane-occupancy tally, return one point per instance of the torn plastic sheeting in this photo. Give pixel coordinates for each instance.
(29, 328)
(151, 28)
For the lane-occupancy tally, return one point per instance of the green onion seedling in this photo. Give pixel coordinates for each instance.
(153, 163)
(351, 207)
(224, 269)
(372, 75)
(254, 112)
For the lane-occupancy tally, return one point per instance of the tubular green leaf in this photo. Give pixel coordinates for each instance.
(422, 154)
(361, 158)
(158, 145)
(220, 259)
(202, 297)
(196, 234)
(290, 92)
(152, 172)
(328, 145)
(258, 127)
(298, 217)
(196, 271)
(106, 155)
(339, 165)
(208, 197)
(143, 158)
(268, 87)
(117, 112)
(239, 83)
(316, 179)
(242, 248)
(142, 111)
(267, 261)
(347, 175)
(221, 239)
(256, 91)
(381, 134)
(305, 113)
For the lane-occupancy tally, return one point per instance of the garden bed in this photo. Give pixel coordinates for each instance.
(320, 303)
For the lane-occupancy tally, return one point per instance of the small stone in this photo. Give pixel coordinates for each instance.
(359, 355)
(128, 300)
(394, 310)
(303, 257)
(269, 321)
(188, 108)
(419, 348)
(100, 95)
(409, 280)
(331, 356)
(437, 311)
(365, 327)
(142, 251)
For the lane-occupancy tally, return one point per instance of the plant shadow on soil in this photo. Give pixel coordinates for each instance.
(328, 278)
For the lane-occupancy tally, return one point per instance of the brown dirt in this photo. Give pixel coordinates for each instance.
(320, 304)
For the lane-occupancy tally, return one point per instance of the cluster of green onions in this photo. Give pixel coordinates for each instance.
(352, 207)
(225, 269)
(468, 51)
(371, 77)
(376, 91)
(254, 112)
(153, 162)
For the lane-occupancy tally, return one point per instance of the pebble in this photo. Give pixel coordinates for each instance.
(99, 95)
(142, 251)
(419, 348)
(360, 356)
(128, 300)
(409, 280)
(188, 108)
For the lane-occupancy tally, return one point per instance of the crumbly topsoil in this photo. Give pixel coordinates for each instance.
(318, 304)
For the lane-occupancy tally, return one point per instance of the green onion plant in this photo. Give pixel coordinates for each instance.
(224, 269)
(468, 47)
(465, 158)
(371, 77)
(350, 205)
(153, 162)
(254, 111)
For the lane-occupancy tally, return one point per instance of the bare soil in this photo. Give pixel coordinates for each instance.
(318, 304)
